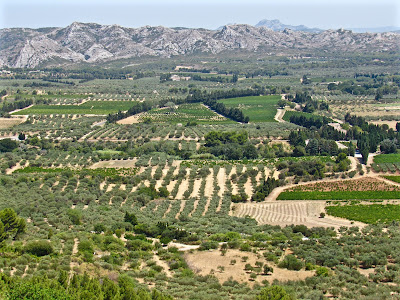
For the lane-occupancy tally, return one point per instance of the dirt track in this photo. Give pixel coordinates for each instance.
(279, 115)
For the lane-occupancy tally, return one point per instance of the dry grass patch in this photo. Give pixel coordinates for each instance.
(10, 122)
(206, 262)
(129, 163)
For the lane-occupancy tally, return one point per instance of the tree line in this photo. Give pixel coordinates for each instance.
(370, 135)
(138, 107)
(10, 106)
(308, 120)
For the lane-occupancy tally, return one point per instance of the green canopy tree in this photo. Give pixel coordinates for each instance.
(275, 292)
(10, 224)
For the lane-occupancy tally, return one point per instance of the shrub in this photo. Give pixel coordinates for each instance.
(163, 192)
(268, 269)
(39, 248)
(208, 245)
(75, 216)
(322, 271)
(291, 262)
(99, 228)
(85, 246)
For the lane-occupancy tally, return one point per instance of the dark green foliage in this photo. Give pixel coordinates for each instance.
(39, 248)
(308, 120)
(208, 245)
(151, 192)
(138, 107)
(230, 145)
(130, 218)
(215, 138)
(163, 192)
(301, 168)
(291, 262)
(21, 136)
(75, 216)
(99, 228)
(264, 189)
(10, 106)
(8, 145)
(239, 198)
(268, 269)
(10, 224)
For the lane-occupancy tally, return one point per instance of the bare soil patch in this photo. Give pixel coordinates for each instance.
(203, 262)
(221, 183)
(248, 188)
(208, 191)
(196, 187)
(130, 120)
(129, 163)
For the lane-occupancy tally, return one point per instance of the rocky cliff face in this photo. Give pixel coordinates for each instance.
(88, 42)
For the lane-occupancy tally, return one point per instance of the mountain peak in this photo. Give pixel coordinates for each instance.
(276, 25)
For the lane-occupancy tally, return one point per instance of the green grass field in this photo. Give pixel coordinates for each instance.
(90, 107)
(257, 108)
(339, 195)
(393, 178)
(194, 112)
(371, 214)
(387, 158)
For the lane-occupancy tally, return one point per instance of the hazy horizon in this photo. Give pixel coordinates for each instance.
(205, 14)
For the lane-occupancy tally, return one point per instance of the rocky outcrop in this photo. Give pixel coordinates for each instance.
(92, 43)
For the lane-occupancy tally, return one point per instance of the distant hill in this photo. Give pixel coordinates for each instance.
(95, 43)
(376, 29)
(276, 25)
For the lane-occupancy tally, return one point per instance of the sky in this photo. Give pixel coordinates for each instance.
(211, 14)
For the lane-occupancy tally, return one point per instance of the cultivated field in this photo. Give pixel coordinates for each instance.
(370, 214)
(361, 189)
(193, 112)
(258, 108)
(87, 108)
(10, 122)
(386, 163)
(285, 213)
